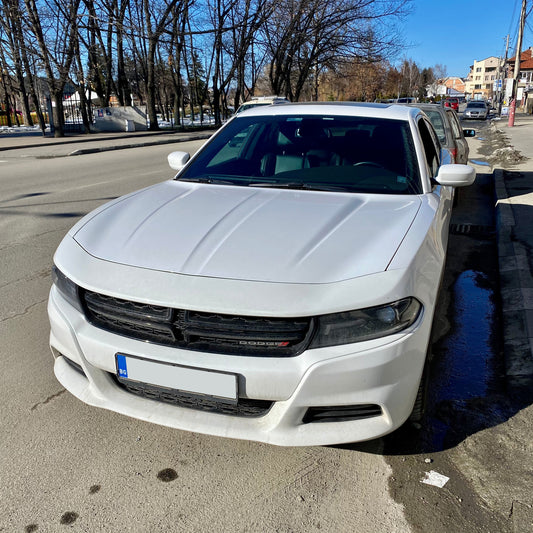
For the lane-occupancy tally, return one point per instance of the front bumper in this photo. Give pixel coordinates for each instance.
(383, 372)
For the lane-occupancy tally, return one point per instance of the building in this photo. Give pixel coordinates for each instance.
(482, 77)
(455, 86)
(525, 78)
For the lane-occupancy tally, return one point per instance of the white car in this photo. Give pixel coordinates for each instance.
(259, 101)
(280, 289)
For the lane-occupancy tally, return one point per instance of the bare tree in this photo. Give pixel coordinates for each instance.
(55, 28)
(307, 35)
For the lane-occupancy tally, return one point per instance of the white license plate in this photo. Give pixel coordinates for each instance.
(176, 377)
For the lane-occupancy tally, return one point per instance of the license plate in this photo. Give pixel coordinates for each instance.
(176, 377)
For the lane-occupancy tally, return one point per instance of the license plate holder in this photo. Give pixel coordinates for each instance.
(186, 379)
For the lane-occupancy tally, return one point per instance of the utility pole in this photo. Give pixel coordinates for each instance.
(512, 109)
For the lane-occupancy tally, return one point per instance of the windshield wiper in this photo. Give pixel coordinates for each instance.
(208, 180)
(298, 186)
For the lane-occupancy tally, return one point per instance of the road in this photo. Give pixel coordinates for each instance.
(64, 463)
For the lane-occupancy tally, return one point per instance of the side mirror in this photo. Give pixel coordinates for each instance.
(469, 133)
(456, 175)
(177, 160)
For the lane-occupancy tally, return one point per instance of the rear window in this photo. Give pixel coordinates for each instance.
(347, 154)
(438, 124)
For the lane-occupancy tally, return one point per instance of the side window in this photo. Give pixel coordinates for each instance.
(455, 125)
(430, 147)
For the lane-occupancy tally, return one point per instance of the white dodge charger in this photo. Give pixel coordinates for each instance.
(281, 288)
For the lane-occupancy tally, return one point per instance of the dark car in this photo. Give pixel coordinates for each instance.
(450, 133)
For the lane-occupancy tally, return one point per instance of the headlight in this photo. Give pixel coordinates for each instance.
(66, 287)
(366, 324)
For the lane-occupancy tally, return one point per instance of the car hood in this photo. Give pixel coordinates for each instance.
(245, 233)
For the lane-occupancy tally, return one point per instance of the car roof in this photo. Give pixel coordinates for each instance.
(433, 107)
(355, 109)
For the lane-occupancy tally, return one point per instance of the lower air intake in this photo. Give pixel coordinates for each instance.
(341, 413)
(244, 407)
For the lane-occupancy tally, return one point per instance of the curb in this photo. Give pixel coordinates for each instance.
(516, 289)
(189, 138)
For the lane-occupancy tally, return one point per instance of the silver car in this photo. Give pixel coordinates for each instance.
(477, 110)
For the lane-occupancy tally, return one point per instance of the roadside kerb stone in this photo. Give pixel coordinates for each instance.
(107, 148)
(516, 288)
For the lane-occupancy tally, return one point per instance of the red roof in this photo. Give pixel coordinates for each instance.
(526, 59)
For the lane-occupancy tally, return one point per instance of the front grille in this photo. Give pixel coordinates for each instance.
(202, 331)
(341, 413)
(244, 407)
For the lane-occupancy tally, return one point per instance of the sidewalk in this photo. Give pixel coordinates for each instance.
(514, 213)
(35, 145)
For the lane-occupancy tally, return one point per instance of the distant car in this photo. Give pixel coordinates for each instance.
(406, 100)
(260, 101)
(281, 288)
(452, 103)
(476, 109)
(450, 133)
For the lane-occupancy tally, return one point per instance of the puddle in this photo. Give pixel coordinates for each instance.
(463, 377)
(466, 370)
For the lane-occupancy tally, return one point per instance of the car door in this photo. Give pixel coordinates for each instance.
(459, 139)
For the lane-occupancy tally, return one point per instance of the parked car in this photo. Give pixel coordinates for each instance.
(260, 101)
(449, 131)
(406, 100)
(452, 103)
(476, 109)
(281, 288)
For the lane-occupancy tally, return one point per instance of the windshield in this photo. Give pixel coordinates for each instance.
(331, 153)
(476, 104)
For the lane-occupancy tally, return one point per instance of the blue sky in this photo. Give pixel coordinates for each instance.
(455, 33)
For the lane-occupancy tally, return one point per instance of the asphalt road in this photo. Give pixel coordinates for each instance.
(65, 464)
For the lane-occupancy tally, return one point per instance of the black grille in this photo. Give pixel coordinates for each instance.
(244, 407)
(193, 330)
(341, 413)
